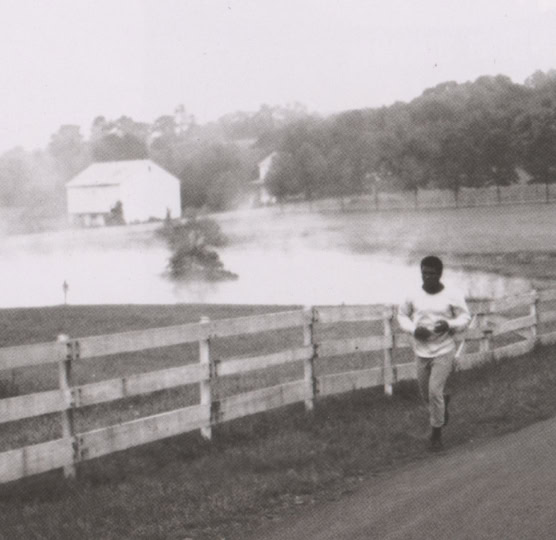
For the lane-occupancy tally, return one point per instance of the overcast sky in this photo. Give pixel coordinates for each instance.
(68, 61)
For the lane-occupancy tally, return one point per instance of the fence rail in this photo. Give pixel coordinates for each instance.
(30, 355)
(382, 199)
(492, 321)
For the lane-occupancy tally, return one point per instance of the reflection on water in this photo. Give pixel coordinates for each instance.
(134, 275)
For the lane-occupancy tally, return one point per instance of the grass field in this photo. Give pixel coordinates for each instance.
(31, 325)
(265, 467)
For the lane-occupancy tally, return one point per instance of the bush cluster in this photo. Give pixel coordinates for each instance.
(192, 257)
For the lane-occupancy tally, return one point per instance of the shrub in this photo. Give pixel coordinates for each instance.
(116, 215)
(191, 257)
(197, 263)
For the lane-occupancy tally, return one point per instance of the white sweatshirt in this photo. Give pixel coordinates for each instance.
(423, 309)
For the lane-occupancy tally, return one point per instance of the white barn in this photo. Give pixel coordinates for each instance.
(144, 190)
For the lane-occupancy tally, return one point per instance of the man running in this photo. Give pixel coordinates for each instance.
(432, 314)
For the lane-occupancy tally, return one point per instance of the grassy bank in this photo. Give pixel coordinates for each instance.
(257, 468)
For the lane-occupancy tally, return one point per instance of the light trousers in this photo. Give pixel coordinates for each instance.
(432, 375)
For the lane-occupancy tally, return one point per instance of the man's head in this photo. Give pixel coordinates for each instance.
(431, 272)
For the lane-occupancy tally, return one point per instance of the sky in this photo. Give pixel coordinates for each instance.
(68, 61)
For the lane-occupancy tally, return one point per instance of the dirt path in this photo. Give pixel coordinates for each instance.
(501, 489)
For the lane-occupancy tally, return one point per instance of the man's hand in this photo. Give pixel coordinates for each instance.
(421, 333)
(441, 327)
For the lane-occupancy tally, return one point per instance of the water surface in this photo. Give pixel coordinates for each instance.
(114, 271)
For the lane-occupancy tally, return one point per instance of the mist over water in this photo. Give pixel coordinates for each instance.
(292, 273)
(313, 277)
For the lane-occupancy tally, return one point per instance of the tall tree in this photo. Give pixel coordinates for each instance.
(213, 166)
(113, 147)
(282, 179)
(69, 151)
(118, 140)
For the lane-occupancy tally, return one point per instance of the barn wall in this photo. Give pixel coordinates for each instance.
(150, 196)
(145, 190)
(92, 200)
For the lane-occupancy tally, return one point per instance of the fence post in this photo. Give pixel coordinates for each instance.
(205, 386)
(534, 311)
(485, 344)
(387, 370)
(309, 364)
(65, 384)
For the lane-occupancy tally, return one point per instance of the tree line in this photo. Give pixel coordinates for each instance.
(488, 132)
(214, 161)
(491, 131)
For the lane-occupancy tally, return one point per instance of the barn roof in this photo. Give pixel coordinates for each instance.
(114, 173)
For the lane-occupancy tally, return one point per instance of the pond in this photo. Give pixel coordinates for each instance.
(130, 272)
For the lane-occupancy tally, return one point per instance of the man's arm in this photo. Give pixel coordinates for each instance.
(462, 316)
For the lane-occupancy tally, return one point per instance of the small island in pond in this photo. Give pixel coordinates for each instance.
(192, 256)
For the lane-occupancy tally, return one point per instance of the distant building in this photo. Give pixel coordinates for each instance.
(523, 177)
(122, 191)
(261, 195)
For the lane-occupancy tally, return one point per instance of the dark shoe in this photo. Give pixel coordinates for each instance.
(436, 440)
(436, 445)
(446, 413)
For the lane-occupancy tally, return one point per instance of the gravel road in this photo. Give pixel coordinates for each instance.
(501, 489)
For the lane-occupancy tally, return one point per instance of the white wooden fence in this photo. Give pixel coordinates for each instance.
(431, 198)
(66, 452)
